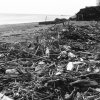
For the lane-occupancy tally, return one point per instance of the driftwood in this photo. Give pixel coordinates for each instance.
(29, 85)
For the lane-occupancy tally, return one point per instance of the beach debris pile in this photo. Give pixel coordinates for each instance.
(63, 64)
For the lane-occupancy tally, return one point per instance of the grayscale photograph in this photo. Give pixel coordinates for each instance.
(49, 49)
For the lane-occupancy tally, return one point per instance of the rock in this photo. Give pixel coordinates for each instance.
(41, 63)
(12, 71)
(70, 66)
(71, 55)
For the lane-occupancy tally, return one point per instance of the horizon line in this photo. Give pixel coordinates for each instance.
(34, 14)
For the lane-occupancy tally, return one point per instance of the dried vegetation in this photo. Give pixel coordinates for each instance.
(62, 63)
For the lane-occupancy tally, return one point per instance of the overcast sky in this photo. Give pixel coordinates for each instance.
(56, 7)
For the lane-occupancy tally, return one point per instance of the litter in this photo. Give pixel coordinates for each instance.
(51, 64)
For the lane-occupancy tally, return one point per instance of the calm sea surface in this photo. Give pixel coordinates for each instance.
(26, 18)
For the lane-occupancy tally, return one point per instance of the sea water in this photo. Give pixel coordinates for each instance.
(27, 18)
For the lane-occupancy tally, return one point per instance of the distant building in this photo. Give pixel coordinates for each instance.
(88, 14)
(98, 2)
